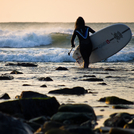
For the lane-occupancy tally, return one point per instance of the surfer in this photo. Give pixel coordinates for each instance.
(82, 32)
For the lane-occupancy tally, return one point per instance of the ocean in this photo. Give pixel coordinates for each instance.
(47, 45)
(48, 42)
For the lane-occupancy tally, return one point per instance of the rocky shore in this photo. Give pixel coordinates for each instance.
(35, 113)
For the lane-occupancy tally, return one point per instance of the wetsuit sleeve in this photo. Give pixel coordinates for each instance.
(72, 39)
(91, 30)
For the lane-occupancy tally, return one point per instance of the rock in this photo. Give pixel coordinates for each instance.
(34, 126)
(57, 131)
(109, 77)
(52, 127)
(103, 130)
(118, 120)
(72, 91)
(16, 72)
(27, 64)
(26, 85)
(36, 123)
(129, 125)
(109, 69)
(77, 108)
(93, 79)
(74, 114)
(61, 68)
(93, 93)
(5, 96)
(30, 108)
(102, 83)
(118, 77)
(10, 125)
(119, 107)
(71, 117)
(40, 120)
(79, 130)
(22, 64)
(48, 126)
(45, 79)
(6, 77)
(89, 76)
(43, 85)
(17, 97)
(115, 100)
(121, 131)
(31, 94)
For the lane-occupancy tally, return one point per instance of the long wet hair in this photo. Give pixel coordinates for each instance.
(79, 22)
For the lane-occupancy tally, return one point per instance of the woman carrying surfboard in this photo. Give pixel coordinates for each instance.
(85, 43)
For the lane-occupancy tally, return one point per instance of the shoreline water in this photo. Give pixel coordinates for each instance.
(118, 83)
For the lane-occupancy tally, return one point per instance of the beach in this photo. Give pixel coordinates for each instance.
(48, 47)
(119, 82)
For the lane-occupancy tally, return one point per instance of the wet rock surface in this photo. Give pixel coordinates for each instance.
(22, 64)
(35, 113)
(72, 91)
(45, 79)
(114, 100)
(10, 125)
(61, 68)
(6, 77)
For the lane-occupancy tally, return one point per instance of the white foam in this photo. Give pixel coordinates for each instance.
(20, 39)
(36, 55)
(123, 56)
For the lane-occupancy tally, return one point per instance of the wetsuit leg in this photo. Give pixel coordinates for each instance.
(85, 51)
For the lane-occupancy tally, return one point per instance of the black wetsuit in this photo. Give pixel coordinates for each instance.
(84, 42)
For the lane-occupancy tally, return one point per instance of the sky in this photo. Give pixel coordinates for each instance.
(66, 10)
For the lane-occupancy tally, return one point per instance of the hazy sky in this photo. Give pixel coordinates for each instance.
(66, 10)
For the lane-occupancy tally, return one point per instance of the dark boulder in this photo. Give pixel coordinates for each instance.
(10, 125)
(79, 130)
(93, 79)
(76, 108)
(30, 108)
(36, 123)
(52, 127)
(109, 69)
(16, 72)
(32, 94)
(71, 117)
(22, 64)
(119, 107)
(45, 79)
(6, 77)
(56, 131)
(114, 100)
(5, 96)
(121, 131)
(89, 76)
(118, 120)
(48, 126)
(102, 83)
(74, 114)
(72, 91)
(61, 68)
(43, 85)
(130, 124)
(26, 85)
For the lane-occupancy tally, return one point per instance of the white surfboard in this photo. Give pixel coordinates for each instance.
(106, 43)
